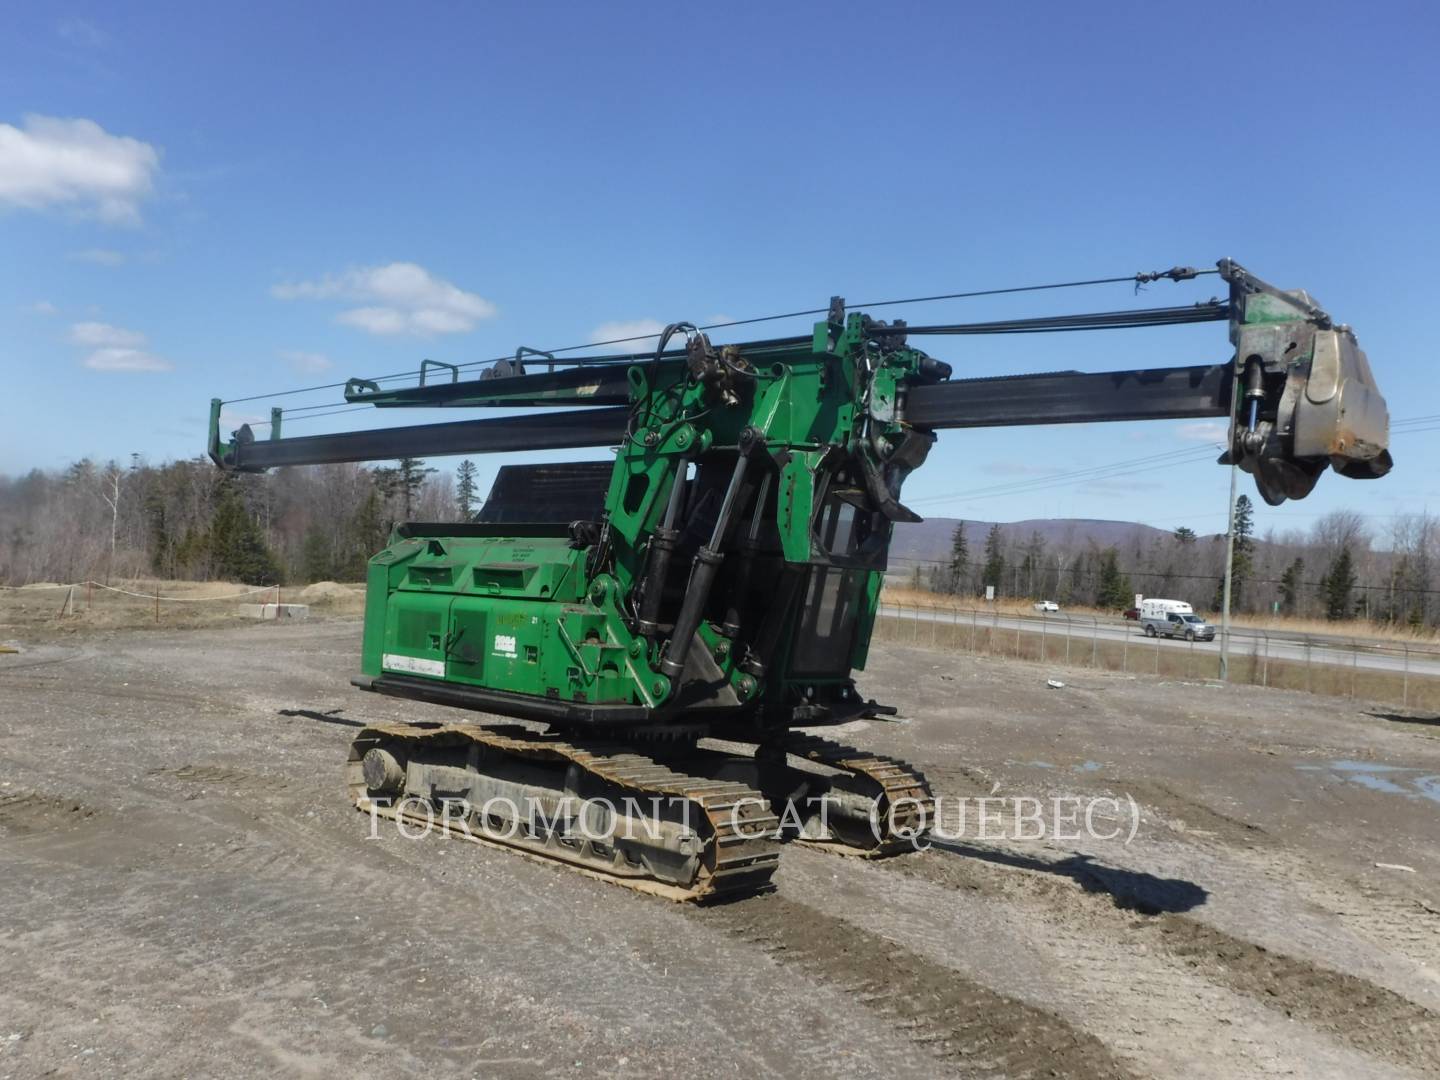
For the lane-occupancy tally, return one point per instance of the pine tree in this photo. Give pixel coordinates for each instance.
(366, 534)
(959, 566)
(160, 538)
(1290, 582)
(1243, 559)
(1337, 585)
(1033, 563)
(465, 489)
(237, 546)
(1115, 590)
(994, 572)
(317, 562)
(402, 483)
(1078, 573)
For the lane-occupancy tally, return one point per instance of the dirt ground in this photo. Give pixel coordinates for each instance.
(184, 891)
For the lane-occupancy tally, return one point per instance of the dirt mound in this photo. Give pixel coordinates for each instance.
(328, 592)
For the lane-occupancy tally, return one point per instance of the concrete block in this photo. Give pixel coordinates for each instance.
(276, 611)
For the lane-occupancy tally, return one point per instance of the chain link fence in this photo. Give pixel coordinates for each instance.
(1393, 671)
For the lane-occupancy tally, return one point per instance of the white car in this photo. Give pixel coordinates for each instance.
(1046, 605)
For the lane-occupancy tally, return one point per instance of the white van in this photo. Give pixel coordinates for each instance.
(1173, 618)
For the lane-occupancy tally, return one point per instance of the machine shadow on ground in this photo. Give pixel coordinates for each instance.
(331, 717)
(1399, 718)
(1131, 890)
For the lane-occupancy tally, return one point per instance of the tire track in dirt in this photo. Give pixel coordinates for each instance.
(277, 862)
(1404, 926)
(1160, 1018)
(1386, 920)
(958, 1020)
(1284, 899)
(1372, 1019)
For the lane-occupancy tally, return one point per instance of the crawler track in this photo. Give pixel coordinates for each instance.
(711, 838)
(904, 805)
(704, 836)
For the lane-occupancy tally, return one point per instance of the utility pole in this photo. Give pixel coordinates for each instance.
(1229, 570)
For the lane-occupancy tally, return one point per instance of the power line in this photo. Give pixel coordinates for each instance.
(1115, 470)
(1174, 274)
(1213, 311)
(1119, 469)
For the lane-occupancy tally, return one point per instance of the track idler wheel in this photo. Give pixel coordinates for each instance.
(383, 772)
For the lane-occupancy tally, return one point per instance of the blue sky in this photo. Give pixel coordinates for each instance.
(206, 200)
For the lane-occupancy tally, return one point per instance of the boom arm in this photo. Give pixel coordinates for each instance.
(1015, 400)
(1306, 397)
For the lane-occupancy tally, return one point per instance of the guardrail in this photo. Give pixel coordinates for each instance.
(1398, 671)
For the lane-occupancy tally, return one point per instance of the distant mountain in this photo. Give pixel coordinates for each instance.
(929, 540)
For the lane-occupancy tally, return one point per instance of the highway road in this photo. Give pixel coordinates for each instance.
(1371, 654)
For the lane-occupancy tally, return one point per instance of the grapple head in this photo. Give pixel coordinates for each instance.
(1305, 397)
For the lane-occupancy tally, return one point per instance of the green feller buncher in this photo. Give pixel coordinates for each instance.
(672, 625)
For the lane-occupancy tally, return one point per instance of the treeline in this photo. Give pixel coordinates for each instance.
(187, 520)
(1338, 569)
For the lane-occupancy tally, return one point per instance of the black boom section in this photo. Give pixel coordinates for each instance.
(1062, 397)
(565, 430)
(1072, 397)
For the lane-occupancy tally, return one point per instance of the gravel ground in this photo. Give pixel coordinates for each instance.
(184, 891)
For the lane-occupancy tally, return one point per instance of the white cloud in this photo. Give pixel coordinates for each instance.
(114, 348)
(398, 298)
(646, 330)
(119, 359)
(99, 334)
(55, 161)
(377, 320)
(44, 307)
(82, 32)
(98, 256)
(307, 363)
(1207, 431)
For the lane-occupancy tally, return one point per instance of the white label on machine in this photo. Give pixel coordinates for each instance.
(414, 664)
(505, 645)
